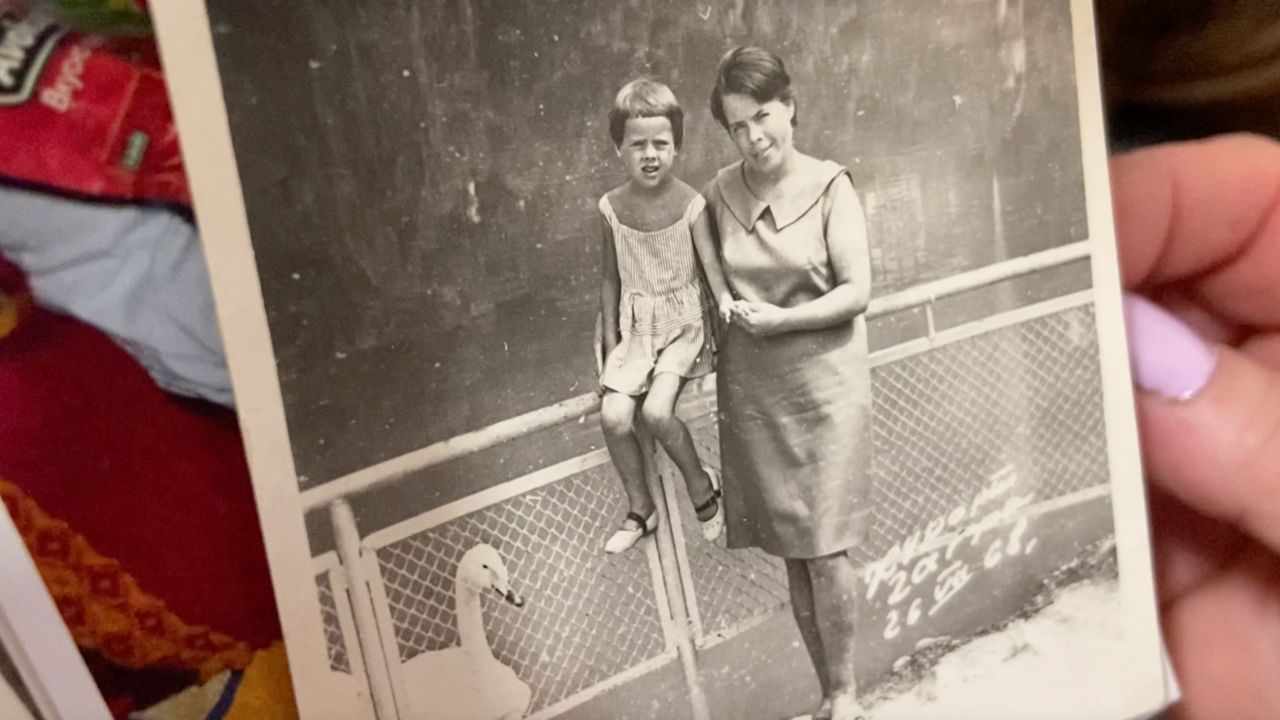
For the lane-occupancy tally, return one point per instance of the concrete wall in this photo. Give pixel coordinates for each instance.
(421, 175)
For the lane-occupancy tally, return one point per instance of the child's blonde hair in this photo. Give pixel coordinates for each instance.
(642, 98)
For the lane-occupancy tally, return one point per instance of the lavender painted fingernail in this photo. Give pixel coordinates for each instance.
(1168, 358)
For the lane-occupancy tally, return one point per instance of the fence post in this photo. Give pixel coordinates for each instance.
(347, 536)
(671, 577)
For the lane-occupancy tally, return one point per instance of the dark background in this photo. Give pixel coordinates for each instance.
(421, 178)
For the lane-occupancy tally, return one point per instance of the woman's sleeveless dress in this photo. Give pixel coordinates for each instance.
(795, 408)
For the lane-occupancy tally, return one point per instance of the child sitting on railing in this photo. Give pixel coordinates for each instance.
(656, 329)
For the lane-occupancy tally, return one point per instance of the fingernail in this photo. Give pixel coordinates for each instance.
(1168, 358)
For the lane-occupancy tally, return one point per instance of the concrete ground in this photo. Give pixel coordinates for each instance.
(764, 674)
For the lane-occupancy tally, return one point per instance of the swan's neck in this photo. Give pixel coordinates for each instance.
(471, 623)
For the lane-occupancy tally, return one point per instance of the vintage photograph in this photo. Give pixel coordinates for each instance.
(15, 697)
(677, 358)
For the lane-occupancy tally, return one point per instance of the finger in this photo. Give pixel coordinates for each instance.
(1206, 213)
(1189, 547)
(1225, 642)
(1265, 348)
(1210, 420)
(1181, 300)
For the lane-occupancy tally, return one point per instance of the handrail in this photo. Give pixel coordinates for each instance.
(981, 277)
(389, 471)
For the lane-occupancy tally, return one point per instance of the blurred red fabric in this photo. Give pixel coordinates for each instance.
(157, 482)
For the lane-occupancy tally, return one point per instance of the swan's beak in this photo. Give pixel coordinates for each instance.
(511, 597)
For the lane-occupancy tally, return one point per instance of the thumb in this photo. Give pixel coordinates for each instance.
(1210, 420)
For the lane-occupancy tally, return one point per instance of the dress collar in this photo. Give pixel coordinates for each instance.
(804, 189)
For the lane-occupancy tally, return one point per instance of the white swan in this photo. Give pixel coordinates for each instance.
(467, 682)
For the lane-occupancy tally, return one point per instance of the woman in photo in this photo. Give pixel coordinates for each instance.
(794, 379)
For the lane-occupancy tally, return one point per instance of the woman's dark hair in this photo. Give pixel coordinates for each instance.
(750, 71)
(642, 98)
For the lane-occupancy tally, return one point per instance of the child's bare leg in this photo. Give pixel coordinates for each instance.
(617, 419)
(659, 413)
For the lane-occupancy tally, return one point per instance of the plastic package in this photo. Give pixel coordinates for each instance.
(94, 110)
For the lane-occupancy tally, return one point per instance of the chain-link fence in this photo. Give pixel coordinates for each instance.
(731, 589)
(589, 616)
(1027, 396)
(946, 421)
(1024, 396)
(334, 641)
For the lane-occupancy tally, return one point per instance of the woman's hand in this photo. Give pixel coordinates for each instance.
(759, 319)
(1199, 232)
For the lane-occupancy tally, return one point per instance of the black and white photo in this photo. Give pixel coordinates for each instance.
(677, 358)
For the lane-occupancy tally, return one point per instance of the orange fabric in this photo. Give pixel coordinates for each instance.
(14, 307)
(265, 692)
(105, 608)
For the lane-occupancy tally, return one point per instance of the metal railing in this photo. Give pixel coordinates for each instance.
(698, 595)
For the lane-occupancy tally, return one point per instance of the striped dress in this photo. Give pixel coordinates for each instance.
(662, 310)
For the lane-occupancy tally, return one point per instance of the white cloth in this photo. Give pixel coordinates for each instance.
(136, 273)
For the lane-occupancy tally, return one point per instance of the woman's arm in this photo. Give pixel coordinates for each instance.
(610, 287)
(710, 259)
(850, 257)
